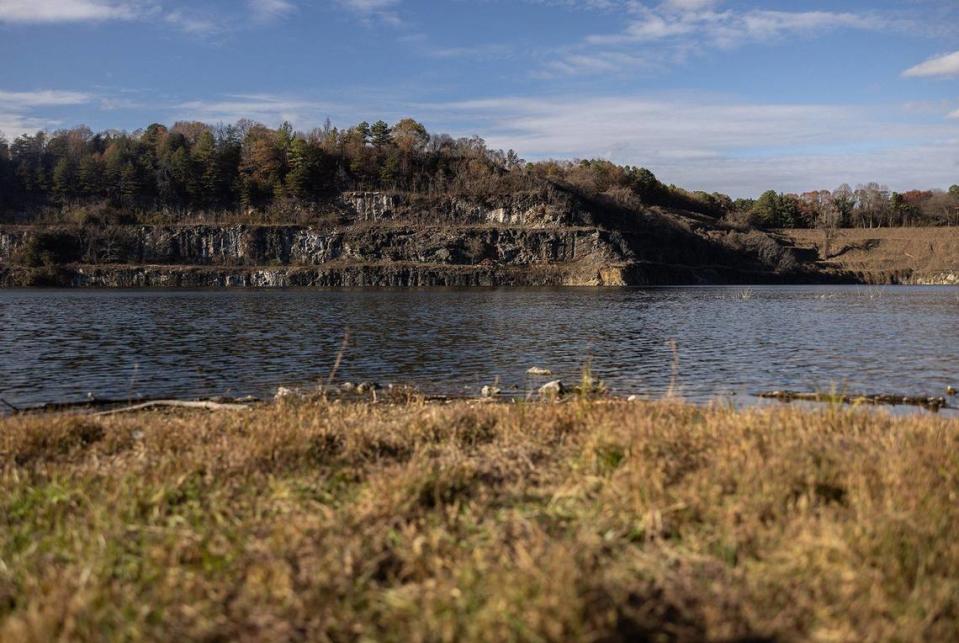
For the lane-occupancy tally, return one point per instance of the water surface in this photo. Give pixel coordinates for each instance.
(730, 341)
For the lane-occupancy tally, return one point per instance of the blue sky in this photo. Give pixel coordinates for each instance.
(731, 96)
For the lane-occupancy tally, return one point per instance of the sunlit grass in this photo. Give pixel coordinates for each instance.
(589, 520)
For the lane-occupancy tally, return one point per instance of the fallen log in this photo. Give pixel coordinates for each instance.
(934, 404)
(208, 406)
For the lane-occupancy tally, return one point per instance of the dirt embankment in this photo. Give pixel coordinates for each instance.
(887, 255)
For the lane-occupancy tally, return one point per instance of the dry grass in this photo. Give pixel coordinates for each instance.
(587, 521)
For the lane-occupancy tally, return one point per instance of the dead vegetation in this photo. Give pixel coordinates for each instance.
(586, 520)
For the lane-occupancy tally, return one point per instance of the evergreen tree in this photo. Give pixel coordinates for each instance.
(380, 134)
(130, 185)
(6, 176)
(65, 185)
(90, 177)
(363, 130)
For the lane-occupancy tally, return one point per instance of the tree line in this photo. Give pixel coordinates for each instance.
(867, 206)
(247, 167)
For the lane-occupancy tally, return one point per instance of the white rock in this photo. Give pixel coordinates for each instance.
(536, 370)
(490, 391)
(555, 388)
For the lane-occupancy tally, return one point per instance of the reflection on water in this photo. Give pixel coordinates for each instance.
(62, 345)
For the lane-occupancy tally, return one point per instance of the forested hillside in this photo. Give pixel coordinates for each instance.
(194, 168)
(193, 171)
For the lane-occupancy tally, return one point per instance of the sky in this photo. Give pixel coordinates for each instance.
(729, 96)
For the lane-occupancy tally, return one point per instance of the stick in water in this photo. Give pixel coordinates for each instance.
(339, 356)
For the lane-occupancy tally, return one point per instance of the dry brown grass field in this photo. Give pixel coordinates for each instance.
(588, 520)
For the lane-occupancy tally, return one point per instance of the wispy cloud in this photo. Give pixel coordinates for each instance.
(672, 31)
(51, 11)
(189, 17)
(267, 108)
(13, 125)
(191, 22)
(382, 10)
(732, 28)
(42, 98)
(947, 65)
(575, 63)
(266, 10)
(18, 110)
(484, 51)
(690, 5)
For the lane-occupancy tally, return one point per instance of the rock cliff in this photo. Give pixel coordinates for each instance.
(379, 239)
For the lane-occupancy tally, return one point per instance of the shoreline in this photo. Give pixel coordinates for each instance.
(409, 254)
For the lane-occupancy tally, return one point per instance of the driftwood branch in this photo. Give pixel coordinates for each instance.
(209, 406)
(931, 403)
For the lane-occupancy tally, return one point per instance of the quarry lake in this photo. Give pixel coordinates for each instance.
(58, 346)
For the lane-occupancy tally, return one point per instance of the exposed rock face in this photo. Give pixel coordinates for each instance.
(542, 209)
(304, 246)
(377, 239)
(940, 279)
(345, 276)
(370, 206)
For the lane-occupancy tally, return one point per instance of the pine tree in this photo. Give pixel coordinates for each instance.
(299, 178)
(89, 177)
(65, 179)
(204, 189)
(381, 134)
(130, 185)
(363, 129)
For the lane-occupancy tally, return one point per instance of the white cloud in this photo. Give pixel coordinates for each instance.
(194, 23)
(384, 10)
(13, 125)
(954, 114)
(265, 10)
(42, 98)
(598, 62)
(690, 5)
(730, 28)
(702, 142)
(48, 11)
(266, 108)
(483, 52)
(16, 109)
(947, 65)
(673, 30)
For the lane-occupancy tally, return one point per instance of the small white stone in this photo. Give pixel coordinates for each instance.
(536, 370)
(490, 391)
(555, 388)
